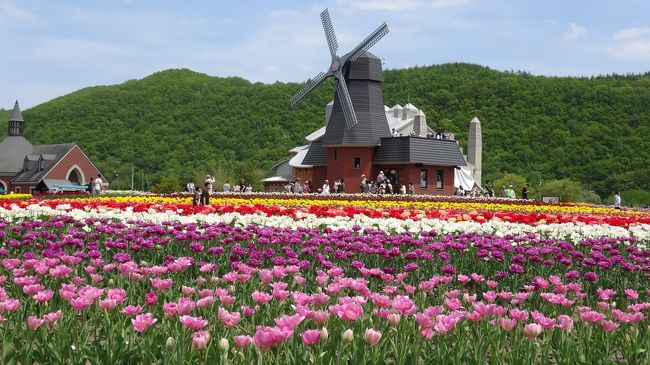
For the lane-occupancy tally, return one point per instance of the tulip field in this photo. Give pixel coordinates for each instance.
(299, 279)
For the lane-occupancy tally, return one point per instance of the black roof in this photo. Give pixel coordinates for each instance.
(48, 154)
(317, 154)
(419, 150)
(363, 78)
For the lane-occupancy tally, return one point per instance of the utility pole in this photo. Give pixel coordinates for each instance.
(142, 188)
(132, 176)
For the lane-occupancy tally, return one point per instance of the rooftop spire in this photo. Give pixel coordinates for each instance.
(16, 115)
(16, 121)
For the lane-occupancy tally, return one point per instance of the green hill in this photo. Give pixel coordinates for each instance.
(179, 124)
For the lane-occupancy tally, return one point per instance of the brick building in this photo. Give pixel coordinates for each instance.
(26, 168)
(396, 141)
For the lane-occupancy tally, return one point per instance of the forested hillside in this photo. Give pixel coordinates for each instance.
(178, 124)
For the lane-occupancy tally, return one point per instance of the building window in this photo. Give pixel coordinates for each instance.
(440, 179)
(336, 154)
(32, 190)
(17, 190)
(423, 178)
(357, 162)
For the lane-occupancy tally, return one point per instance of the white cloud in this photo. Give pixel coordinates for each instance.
(75, 50)
(631, 44)
(7, 7)
(398, 5)
(632, 33)
(575, 31)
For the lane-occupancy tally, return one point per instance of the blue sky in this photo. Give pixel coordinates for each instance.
(51, 48)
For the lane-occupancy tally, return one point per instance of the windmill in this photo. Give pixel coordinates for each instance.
(338, 67)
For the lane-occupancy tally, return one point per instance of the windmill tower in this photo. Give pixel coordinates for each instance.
(358, 120)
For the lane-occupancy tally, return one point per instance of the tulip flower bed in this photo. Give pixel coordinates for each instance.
(153, 281)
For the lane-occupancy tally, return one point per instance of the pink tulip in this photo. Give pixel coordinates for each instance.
(187, 291)
(320, 316)
(185, 306)
(131, 310)
(261, 297)
(193, 323)
(591, 316)
(266, 337)
(151, 298)
(565, 322)
(227, 300)
(608, 325)
(107, 304)
(518, 314)
(43, 295)
(80, 303)
(404, 305)
(170, 309)
(289, 322)
(393, 319)
(142, 322)
(205, 302)
(228, 319)
(507, 323)
(34, 322)
(371, 336)
(200, 339)
(446, 323)
(348, 312)
(310, 337)
(243, 341)
(532, 330)
(161, 284)
(52, 317)
(248, 311)
(632, 294)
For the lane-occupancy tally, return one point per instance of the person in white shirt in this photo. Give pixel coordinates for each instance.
(617, 200)
(326, 188)
(226, 187)
(190, 187)
(97, 185)
(209, 181)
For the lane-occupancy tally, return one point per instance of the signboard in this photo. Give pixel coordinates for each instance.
(551, 199)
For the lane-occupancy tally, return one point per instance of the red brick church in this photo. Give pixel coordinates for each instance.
(27, 168)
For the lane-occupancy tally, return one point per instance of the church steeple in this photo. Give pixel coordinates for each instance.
(16, 121)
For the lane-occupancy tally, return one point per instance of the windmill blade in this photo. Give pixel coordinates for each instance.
(370, 41)
(329, 32)
(346, 103)
(311, 85)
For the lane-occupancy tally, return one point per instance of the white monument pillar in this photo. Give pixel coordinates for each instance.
(475, 149)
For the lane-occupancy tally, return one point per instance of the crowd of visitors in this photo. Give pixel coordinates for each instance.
(202, 193)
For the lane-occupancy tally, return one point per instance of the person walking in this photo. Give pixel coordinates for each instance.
(97, 186)
(326, 188)
(617, 200)
(196, 199)
(524, 192)
(205, 195)
(190, 187)
(364, 184)
(226, 187)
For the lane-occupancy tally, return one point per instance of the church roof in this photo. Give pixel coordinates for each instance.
(51, 153)
(16, 115)
(13, 150)
(316, 155)
(419, 150)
